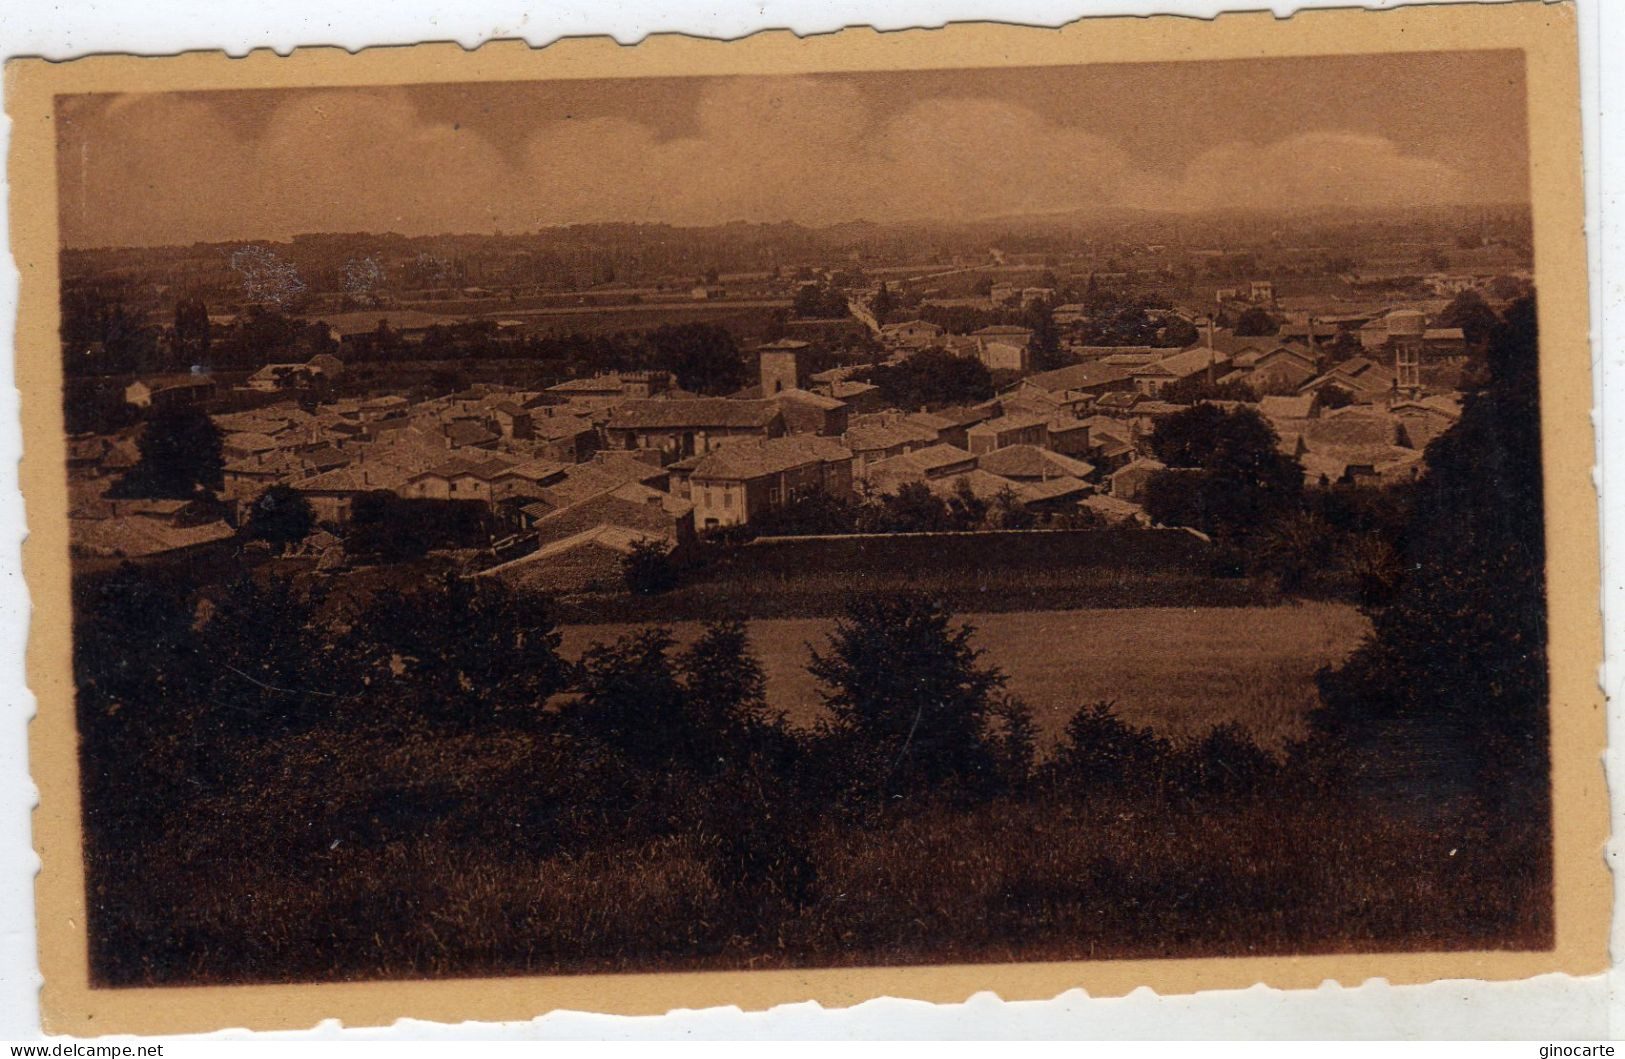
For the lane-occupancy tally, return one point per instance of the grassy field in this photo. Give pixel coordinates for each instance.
(1179, 670)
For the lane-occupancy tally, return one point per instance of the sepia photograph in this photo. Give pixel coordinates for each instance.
(802, 520)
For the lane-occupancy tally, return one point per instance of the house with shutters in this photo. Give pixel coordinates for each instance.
(740, 481)
(678, 428)
(1008, 430)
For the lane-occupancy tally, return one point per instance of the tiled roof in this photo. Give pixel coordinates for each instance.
(807, 397)
(535, 470)
(1052, 489)
(754, 459)
(1345, 430)
(1278, 407)
(872, 435)
(248, 441)
(469, 432)
(457, 467)
(596, 384)
(1078, 376)
(1009, 422)
(137, 535)
(694, 412)
(1030, 461)
(1184, 365)
(556, 428)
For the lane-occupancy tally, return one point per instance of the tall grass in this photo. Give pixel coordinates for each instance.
(1041, 878)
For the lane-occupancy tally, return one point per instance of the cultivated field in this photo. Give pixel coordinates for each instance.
(1179, 670)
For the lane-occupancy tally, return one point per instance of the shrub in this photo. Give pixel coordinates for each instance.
(648, 568)
(909, 696)
(280, 516)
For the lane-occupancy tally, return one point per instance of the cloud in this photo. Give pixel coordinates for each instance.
(174, 169)
(1322, 168)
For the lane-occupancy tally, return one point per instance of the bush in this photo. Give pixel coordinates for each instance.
(648, 568)
(280, 516)
(909, 696)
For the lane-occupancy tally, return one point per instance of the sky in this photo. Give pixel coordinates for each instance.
(1354, 131)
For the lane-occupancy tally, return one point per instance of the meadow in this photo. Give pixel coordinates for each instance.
(1178, 670)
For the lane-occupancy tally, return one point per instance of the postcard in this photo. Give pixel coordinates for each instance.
(622, 528)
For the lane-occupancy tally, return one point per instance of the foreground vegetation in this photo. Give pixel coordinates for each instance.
(281, 786)
(1176, 670)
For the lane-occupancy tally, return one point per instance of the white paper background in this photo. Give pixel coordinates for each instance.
(1551, 1008)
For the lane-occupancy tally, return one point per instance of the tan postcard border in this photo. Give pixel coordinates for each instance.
(1544, 32)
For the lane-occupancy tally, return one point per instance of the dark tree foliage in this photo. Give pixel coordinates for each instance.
(961, 319)
(96, 406)
(884, 304)
(819, 302)
(456, 654)
(1334, 396)
(747, 757)
(1455, 667)
(264, 335)
(1256, 323)
(280, 516)
(648, 568)
(932, 378)
(1113, 321)
(914, 508)
(1039, 318)
(192, 330)
(726, 695)
(1100, 752)
(1198, 388)
(909, 697)
(1472, 314)
(1007, 512)
(810, 513)
(631, 700)
(1226, 475)
(389, 529)
(704, 358)
(101, 336)
(1179, 333)
(134, 708)
(181, 455)
(266, 667)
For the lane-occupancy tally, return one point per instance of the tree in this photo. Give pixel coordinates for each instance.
(1256, 322)
(280, 516)
(459, 654)
(908, 696)
(704, 358)
(1179, 333)
(1226, 476)
(631, 700)
(648, 568)
(932, 378)
(884, 304)
(1039, 318)
(814, 512)
(914, 508)
(1472, 314)
(1334, 396)
(1198, 388)
(727, 697)
(1007, 512)
(816, 301)
(192, 330)
(181, 455)
(1456, 660)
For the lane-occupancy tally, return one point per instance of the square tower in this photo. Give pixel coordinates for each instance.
(780, 366)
